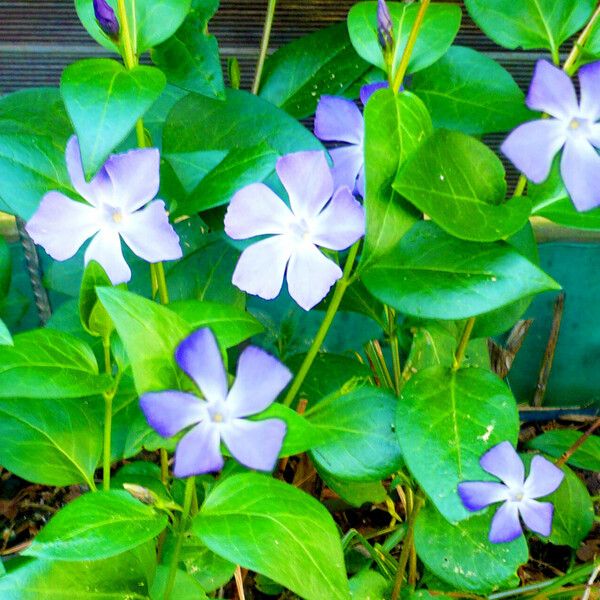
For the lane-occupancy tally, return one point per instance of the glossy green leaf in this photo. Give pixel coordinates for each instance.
(369, 585)
(185, 587)
(5, 268)
(450, 419)
(93, 315)
(460, 183)
(209, 569)
(5, 337)
(275, 529)
(299, 73)
(557, 441)
(355, 493)
(104, 100)
(470, 92)
(431, 274)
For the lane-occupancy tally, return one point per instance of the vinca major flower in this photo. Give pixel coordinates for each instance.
(385, 28)
(107, 20)
(119, 207)
(221, 416)
(314, 218)
(572, 125)
(517, 493)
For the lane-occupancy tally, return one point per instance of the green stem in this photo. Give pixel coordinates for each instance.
(462, 345)
(108, 399)
(569, 65)
(264, 45)
(336, 299)
(129, 57)
(394, 346)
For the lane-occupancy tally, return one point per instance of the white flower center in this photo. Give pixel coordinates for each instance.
(516, 495)
(218, 413)
(578, 128)
(300, 230)
(112, 216)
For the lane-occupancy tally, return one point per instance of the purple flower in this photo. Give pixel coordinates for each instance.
(107, 19)
(385, 28)
(517, 493)
(221, 416)
(314, 218)
(573, 125)
(126, 183)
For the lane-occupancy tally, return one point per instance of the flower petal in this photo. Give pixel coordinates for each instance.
(135, 177)
(476, 495)
(340, 223)
(505, 524)
(150, 235)
(589, 79)
(199, 357)
(105, 249)
(171, 411)
(552, 92)
(339, 120)
(580, 170)
(537, 516)
(366, 91)
(307, 180)
(199, 451)
(255, 444)
(347, 163)
(256, 210)
(310, 275)
(260, 378)
(360, 187)
(532, 146)
(61, 225)
(544, 478)
(261, 267)
(503, 461)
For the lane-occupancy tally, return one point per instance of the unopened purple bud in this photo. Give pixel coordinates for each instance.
(107, 19)
(385, 28)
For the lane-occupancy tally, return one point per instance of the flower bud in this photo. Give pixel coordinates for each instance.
(107, 20)
(385, 28)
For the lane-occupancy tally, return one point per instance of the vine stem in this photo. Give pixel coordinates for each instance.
(462, 345)
(264, 45)
(578, 443)
(108, 400)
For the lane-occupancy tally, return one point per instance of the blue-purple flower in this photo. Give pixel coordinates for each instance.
(118, 207)
(385, 28)
(572, 125)
(221, 416)
(517, 493)
(107, 20)
(313, 219)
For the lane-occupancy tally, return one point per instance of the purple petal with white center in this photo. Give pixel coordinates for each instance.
(476, 495)
(100, 189)
(171, 411)
(105, 248)
(256, 210)
(366, 91)
(347, 164)
(580, 171)
(260, 378)
(505, 524)
(150, 235)
(310, 275)
(537, 516)
(199, 451)
(552, 92)
(135, 177)
(261, 267)
(503, 461)
(339, 120)
(307, 180)
(199, 357)
(589, 79)
(61, 225)
(340, 223)
(544, 478)
(531, 147)
(255, 444)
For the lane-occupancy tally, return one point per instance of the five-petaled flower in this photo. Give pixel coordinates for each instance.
(572, 125)
(517, 493)
(314, 218)
(221, 416)
(126, 183)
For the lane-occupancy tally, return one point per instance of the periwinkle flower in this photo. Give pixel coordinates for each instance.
(572, 125)
(385, 28)
(221, 416)
(107, 20)
(518, 494)
(119, 207)
(314, 219)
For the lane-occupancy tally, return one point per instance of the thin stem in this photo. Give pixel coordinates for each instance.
(580, 42)
(264, 45)
(129, 56)
(462, 345)
(161, 282)
(410, 44)
(394, 346)
(336, 299)
(108, 399)
(580, 441)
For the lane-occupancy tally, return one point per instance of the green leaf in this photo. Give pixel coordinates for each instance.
(369, 585)
(97, 526)
(450, 419)
(439, 28)
(51, 442)
(355, 493)
(93, 315)
(275, 529)
(299, 73)
(363, 445)
(558, 441)
(185, 586)
(154, 21)
(460, 183)
(209, 569)
(433, 275)
(530, 24)
(5, 269)
(395, 126)
(44, 363)
(470, 92)
(5, 337)
(463, 556)
(104, 100)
